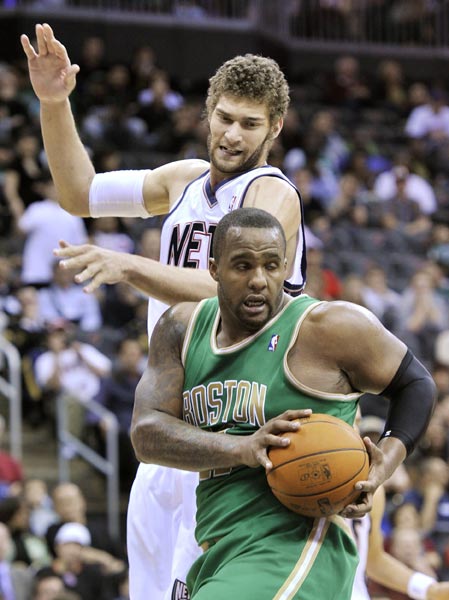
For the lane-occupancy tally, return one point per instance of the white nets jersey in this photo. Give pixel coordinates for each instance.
(187, 232)
(361, 528)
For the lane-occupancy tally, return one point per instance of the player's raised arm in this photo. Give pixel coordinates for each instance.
(53, 78)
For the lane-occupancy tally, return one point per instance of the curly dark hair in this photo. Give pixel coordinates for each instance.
(251, 76)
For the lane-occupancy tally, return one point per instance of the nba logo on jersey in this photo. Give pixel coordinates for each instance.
(273, 343)
(179, 591)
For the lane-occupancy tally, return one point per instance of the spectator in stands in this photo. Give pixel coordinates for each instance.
(423, 316)
(156, 105)
(13, 112)
(143, 64)
(346, 86)
(70, 370)
(93, 63)
(415, 187)
(27, 548)
(86, 579)
(322, 282)
(435, 441)
(112, 125)
(403, 214)
(8, 301)
(380, 298)
(117, 395)
(334, 150)
(149, 242)
(123, 311)
(352, 289)
(24, 172)
(11, 470)
(15, 581)
(6, 217)
(430, 120)
(44, 224)
(65, 300)
(40, 505)
(347, 208)
(109, 232)
(47, 585)
(291, 136)
(26, 330)
(314, 211)
(391, 92)
(70, 505)
(183, 134)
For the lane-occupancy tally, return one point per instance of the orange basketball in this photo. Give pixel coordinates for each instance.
(315, 475)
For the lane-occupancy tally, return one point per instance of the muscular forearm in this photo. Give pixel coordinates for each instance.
(165, 440)
(167, 283)
(70, 165)
(394, 452)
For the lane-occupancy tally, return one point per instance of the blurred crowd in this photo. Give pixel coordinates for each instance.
(369, 155)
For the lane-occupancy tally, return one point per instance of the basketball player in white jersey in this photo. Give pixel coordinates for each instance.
(246, 102)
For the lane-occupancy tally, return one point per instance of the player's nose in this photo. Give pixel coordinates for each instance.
(258, 280)
(233, 133)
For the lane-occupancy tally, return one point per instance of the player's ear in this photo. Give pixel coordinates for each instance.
(276, 129)
(213, 269)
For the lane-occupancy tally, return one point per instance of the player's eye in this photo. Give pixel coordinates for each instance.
(242, 266)
(272, 266)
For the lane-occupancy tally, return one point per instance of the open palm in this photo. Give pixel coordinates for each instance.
(51, 73)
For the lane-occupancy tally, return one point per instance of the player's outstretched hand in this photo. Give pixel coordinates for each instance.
(377, 475)
(255, 446)
(52, 75)
(95, 264)
(438, 591)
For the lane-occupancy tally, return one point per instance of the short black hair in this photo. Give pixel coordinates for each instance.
(245, 218)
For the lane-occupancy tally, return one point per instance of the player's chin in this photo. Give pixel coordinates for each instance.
(256, 312)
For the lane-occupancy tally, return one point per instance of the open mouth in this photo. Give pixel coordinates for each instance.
(254, 305)
(230, 152)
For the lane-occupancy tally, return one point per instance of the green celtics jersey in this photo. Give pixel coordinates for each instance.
(235, 390)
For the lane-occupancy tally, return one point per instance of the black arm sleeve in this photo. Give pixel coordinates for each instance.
(412, 395)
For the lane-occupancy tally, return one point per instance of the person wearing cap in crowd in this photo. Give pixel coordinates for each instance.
(87, 580)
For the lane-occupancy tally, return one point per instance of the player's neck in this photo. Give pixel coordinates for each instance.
(217, 177)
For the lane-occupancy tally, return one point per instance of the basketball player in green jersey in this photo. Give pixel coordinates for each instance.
(225, 376)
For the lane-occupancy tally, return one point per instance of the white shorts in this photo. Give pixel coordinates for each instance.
(160, 530)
